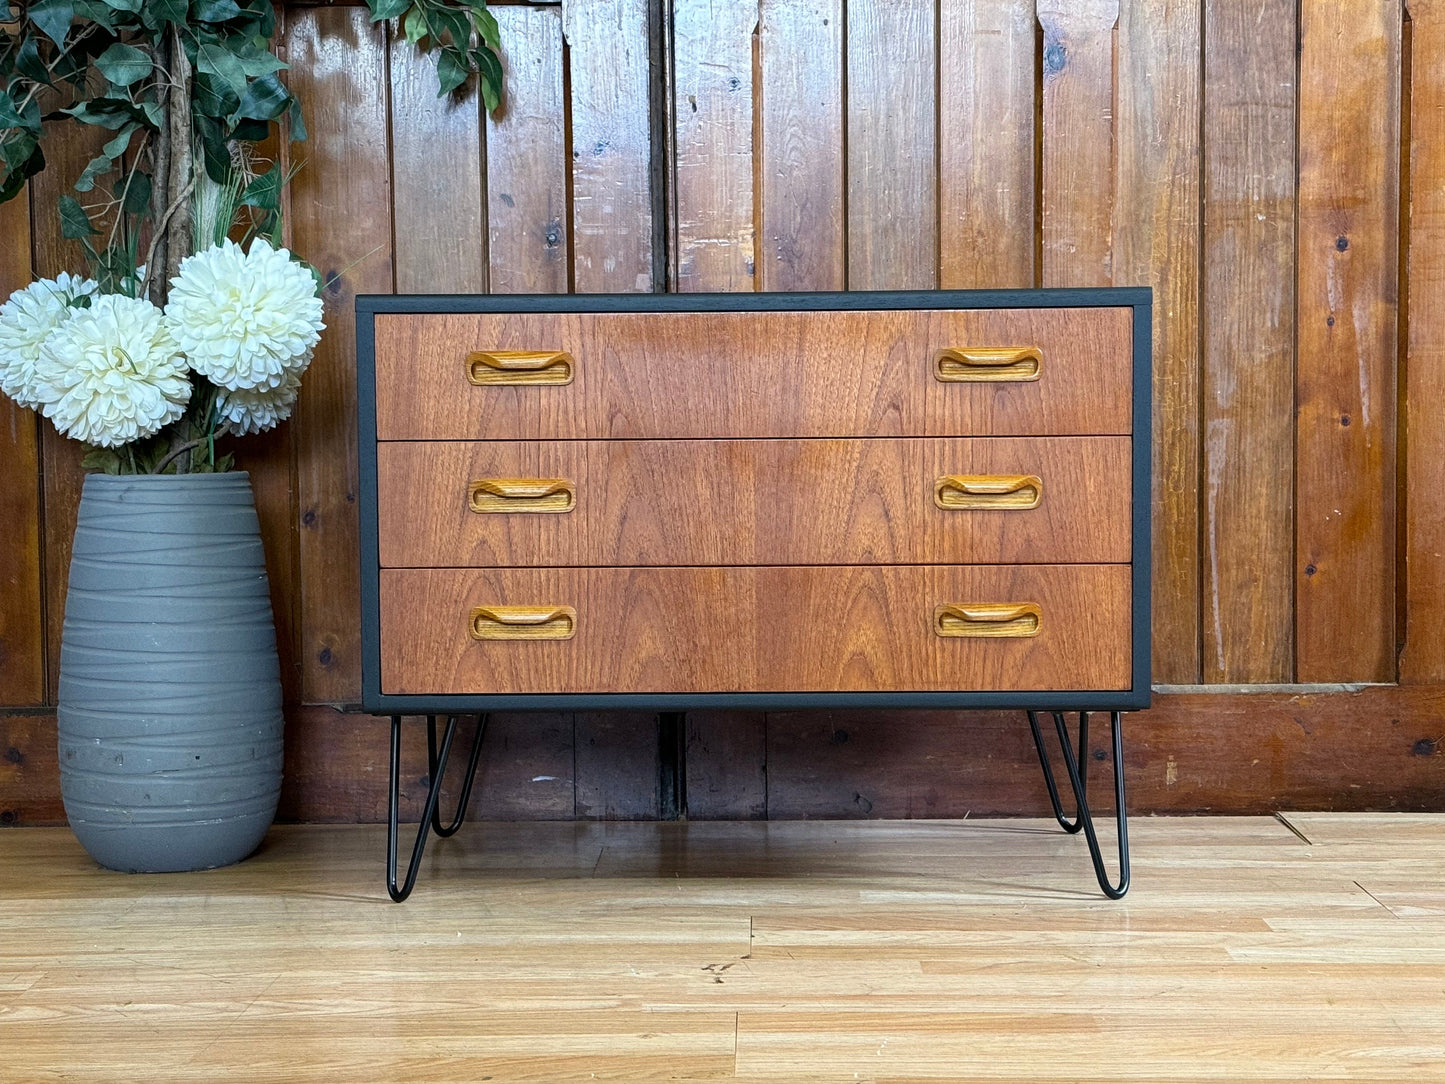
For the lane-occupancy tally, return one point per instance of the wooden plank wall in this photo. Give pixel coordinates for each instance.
(1275, 173)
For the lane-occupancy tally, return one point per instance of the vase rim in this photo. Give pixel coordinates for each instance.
(170, 478)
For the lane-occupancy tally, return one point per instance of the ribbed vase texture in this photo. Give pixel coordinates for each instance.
(170, 695)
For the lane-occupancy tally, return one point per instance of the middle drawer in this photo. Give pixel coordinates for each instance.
(509, 504)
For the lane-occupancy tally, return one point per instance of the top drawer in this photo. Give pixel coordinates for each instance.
(641, 375)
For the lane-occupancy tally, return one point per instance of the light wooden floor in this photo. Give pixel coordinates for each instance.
(879, 951)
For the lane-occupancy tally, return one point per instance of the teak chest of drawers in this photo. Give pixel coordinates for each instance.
(756, 500)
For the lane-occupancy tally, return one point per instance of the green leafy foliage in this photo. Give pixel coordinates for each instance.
(104, 56)
(116, 66)
(101, 63)
(463, 33)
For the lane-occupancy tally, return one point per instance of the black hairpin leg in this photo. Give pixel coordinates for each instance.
(431, 813)
(1078, 781)
(437, 768)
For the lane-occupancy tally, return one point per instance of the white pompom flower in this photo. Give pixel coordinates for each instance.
(245, 319)
(26, 321)
(244, 412)
(111, 374)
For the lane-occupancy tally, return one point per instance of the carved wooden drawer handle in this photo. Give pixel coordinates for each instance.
(987, 619)
(987, 364)
(523, 623)
(521, 495)
(967, 491)
(519, 367)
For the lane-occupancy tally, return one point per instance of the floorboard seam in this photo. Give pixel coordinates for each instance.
(1288, 824)
(1376, 898)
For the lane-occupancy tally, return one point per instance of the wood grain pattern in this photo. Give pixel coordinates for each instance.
(754, 502)
(525, 771)
(804, 952)
(22, 601)
(714, 235)
(726, 765)
(1156, 243)
(67, 151)
(1422, 657)
(1078, 142)
(29, 770)
(849, 374)
(1246, 565)
(1349, 129)
(800, 172)
(986, 184)
(617, 766)
(892, 57)
(612, 198)
(741, 629)
(438, 217)
(1197, 752)
(527, 221)
(270, 459)
(1245, 272)
(338, 67)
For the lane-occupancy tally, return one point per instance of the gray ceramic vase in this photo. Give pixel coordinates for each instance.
(170, 693)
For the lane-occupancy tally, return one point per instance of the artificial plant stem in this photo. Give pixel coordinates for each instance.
(174, 454)
(156, 283)
(180, 181)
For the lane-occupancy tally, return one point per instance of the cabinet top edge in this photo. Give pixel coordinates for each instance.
(838, 301)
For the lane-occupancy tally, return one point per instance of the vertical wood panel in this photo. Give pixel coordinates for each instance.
(712, 107)
(436, 172)
(892, 53)
(1248, 314)
(716, 79)
(29, 771)
(1078, 141)
(986, 144)
(528, 221)
(726, 765)
(526, 768)
(270, 458)
(612, 196)
(67, 150)
(1346, 298)
(1156, 243)
(617, 766)
(800, 172)
(527, 158)
(336, 770)
(339, 222)
(1423, 658)
(22, 623)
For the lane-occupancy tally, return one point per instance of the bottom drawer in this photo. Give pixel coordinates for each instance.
(770, 629)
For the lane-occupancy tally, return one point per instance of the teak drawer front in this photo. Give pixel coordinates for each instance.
(754, 502)
(865, 628)
(856, 373)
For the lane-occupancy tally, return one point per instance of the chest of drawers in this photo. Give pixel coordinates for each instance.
(666, 502)
(679, 501)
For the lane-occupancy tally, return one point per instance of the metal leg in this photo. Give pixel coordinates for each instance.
(437, 764)
(437, 769)
(1070, 826)
(1078, 779)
